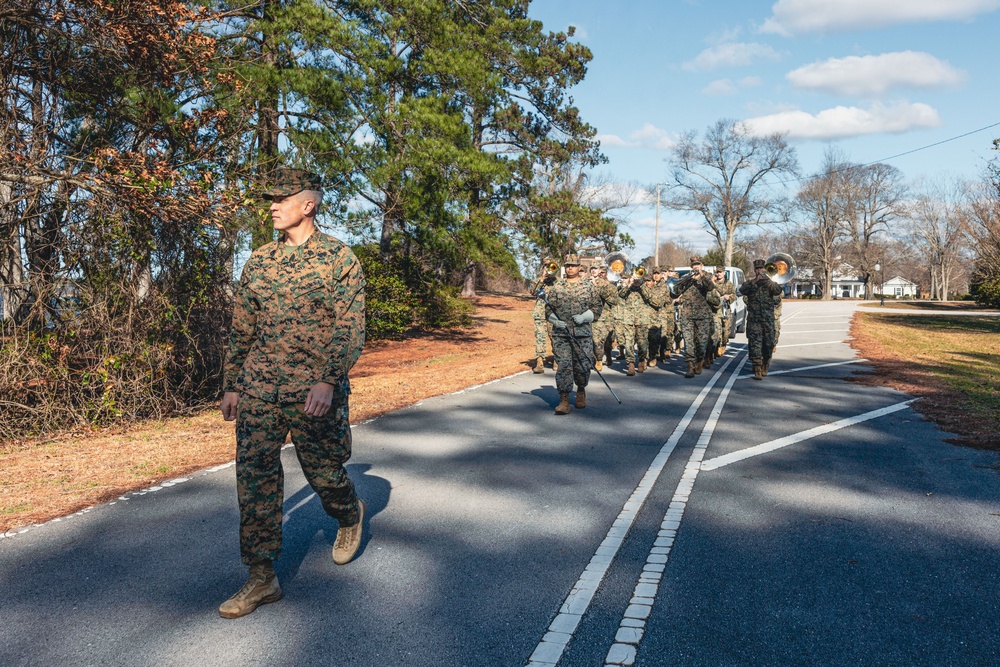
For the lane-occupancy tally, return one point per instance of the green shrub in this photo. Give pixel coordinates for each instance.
(988, 294)
(442, 307)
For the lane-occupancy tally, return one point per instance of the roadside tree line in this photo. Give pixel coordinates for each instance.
(136, 136)
(749, 194)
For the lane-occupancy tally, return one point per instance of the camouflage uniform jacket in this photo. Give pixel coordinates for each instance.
(573, 298)
(609, 297)
(545, 280)
(662, 301)
(641, 301)
(724, 288)
(760, 298)
(299, 319)
(698, 298)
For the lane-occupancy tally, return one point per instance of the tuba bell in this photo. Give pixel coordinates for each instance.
(780, 267)
(618, 265)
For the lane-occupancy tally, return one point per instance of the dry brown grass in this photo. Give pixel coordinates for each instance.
(952, 363)
(54, 476)
(952, 306)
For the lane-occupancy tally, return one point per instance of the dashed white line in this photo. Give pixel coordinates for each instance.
(719, 461)
(549, 650)
(633, 623)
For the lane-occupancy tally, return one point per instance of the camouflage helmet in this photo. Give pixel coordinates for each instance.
(289, 182)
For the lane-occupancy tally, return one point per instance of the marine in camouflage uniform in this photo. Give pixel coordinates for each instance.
(603, 327)
(543, 330)
(636, 316)
(777, 316)
(727, 292)
(661, 324)
(760, 293)
(697, 296)
(298, 327)
(578, 301)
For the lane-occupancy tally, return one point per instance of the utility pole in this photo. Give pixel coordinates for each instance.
(656, 232)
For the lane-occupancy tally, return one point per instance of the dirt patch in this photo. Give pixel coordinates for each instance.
(938, 402)
(45, 478)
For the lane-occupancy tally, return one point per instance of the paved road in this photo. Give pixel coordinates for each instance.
(801, 520)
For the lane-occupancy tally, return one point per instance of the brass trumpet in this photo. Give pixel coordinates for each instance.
(552, 268)
(639, 272)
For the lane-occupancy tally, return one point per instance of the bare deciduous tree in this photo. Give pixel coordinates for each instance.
(937, 228)
(875, 199)
(723, 177)
(824, 202)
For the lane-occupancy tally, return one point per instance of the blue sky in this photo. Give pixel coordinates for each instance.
(876, 78)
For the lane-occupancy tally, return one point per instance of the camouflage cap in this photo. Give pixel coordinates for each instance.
(758, 264)
(657, 269)
(571, 260)
(695, 259)
(292, 181)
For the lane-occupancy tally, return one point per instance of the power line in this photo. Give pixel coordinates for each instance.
(893, 157)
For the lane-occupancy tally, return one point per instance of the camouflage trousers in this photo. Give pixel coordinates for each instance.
(323, 446)
(661, 337)
(777, 327)
(696, 335)
(543, 330)
(760, 338)
(575, 360)
(631, 336)
(602, 332)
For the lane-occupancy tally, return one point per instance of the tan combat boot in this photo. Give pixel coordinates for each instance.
(764, 367)
(563, 407)
(690, 370)
(598, 365)
(581, 398)
(261, 588)
(349, 538)
(698, 365)
(652, 362)
(722, 350)
(758, 371)
(641, 368)
(631, 368)
(539, 365)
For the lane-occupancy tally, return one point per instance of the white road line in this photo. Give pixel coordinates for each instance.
(550, 649)
(720, 461)
(825, 342)
(633, 624)
(808, 368)
(793, 332)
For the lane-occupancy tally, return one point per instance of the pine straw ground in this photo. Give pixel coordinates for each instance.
(44, 478)
(48, 477)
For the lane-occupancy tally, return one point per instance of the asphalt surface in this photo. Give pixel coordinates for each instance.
(800, 520)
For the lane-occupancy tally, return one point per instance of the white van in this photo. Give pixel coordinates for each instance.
(737, 309)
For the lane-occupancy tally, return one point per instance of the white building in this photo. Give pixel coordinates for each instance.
(898, 287)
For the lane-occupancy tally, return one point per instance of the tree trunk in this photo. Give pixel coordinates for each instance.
(469, 283)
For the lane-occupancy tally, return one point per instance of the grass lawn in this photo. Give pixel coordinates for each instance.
(952, 362)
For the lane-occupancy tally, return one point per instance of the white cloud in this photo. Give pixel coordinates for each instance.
(791, 17)
(732, 54)
(648, 136)
(873, 76)
(841, 122)
(720, 87)
(729, 87)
